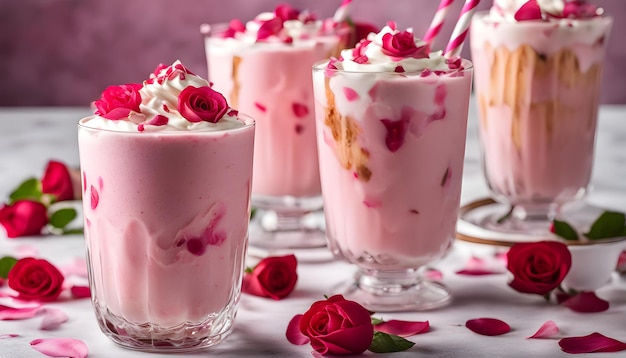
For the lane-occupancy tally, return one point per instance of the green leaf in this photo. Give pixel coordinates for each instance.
(73, 231)
(29, 189)
(376, 321)
(388, 343)
(62, 217)
(6, 264)
(565, 230)
(609, 224)
(252, 213)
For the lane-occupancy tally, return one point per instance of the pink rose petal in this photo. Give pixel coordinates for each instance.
(294, 335)
(351, 95)
(488, 326)
(547, 330)
(52, 319)
(476, 272)
(78, 267)
(8, 335)
(529, 11)
(300, 110)
(60, 347)
(432, 274)
(12, 313)
(80, 291)
(586, 302)
(402, 328)
(26, 251)
(261, 107)
(594, 342)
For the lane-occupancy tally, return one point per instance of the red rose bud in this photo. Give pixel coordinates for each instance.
(538, 267)
(117, 102)
(23, 218)
(57, 181)
(402, 44)
(202, 104)
(36, 279)
(338, 326)
(273, 277)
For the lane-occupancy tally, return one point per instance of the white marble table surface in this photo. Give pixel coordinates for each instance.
(29, 137)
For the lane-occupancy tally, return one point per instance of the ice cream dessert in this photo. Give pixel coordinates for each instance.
(264, 69)
(538, 71)
(166, 170)
(391, 122)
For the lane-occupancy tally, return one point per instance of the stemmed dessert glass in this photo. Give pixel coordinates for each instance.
(538, 91)
(391, 148)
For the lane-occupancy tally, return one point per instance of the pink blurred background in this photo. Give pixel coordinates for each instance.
(65, 52)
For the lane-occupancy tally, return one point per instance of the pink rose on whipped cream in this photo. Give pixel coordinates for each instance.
(202, 104)
(527, 10)
(402, 44)
(117, 102)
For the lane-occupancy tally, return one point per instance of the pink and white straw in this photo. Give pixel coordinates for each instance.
(460, 30)
(438, 20)
(342, 12)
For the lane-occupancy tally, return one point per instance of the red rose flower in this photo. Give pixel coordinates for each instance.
(538, 267)
(273, 277)
(285, 12)
(201, 104)
(57, 181)
(117, 102)
(36, 279)
(402, 44)
(23, 218)
(338, 326)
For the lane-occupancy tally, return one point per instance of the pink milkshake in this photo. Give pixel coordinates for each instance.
(166, 169)
(391, 125)
(538, 73)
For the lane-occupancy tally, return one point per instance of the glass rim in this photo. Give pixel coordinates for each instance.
(482, 14)
(320, 66)
(212, 30)
(249, 123)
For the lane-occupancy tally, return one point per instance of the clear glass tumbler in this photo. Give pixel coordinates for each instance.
(166, 228)
(272, 82)
(391, 149)
(538, 91)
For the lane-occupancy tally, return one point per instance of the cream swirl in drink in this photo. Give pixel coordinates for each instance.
(167, 171)
(391, 121)
(538, 73)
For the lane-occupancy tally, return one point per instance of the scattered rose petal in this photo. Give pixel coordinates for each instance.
(78, 267)
(8, 335)
(476, 272)
(52, 319)
(294, 335)
(529, 11)
(402, 328)
(12, 313)
(26, 251)
(586, 302)
(80, 291)
(300, 110)
(261, 107)
(60, 347)
(488, 326)
(594, 342)
(547, 330)
(433, 274)
(477, 266)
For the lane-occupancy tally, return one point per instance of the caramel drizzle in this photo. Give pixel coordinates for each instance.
(512, 74)
(345, 131)
(234, 93)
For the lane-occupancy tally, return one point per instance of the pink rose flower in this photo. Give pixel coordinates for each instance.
(202, 104)
(57, 181)
(402, 45)
(273, 277)
(117, 102)
(23, 218)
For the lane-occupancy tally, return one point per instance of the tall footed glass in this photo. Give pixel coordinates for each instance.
(538, 91)
(391, 147)
(271, 80)
(166, 228)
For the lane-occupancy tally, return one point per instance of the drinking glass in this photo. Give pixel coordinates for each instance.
(538, 91)
(391, 148)
(272, 82)
(166, 228)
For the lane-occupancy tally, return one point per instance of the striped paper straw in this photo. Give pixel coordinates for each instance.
(460, 30)
(342, 12)
(438, 19)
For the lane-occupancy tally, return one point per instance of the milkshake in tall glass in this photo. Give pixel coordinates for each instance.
(166, 172)
(538, 73)
(391, 125)
(264, 68)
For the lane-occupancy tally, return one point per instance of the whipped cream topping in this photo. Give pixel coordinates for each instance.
(158, 107)
(547, 10)
(391, 50)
